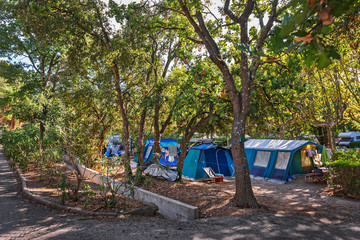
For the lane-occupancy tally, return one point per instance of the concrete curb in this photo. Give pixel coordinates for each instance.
(168, 207)
(32, 197)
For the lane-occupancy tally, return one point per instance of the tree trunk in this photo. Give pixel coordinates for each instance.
(183, 147)
(156, 127)
(102, 139)
(126, 134)
(141, 138)
(43, 122)
(244, 195)
(12, 123)
(331, 139)
(42, 130)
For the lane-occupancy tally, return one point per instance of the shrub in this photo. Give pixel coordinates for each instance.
(344, 174)
(355, 144)
(23, 146)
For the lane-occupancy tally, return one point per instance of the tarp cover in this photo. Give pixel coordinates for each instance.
(161, 172)
(271, 144)
(164, 142)
(205, 146)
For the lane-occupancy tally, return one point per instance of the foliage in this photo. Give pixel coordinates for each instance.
(345, 172)
(354, 144)
(110, 189)
(89, 194)
(151, 75)
(24, 146)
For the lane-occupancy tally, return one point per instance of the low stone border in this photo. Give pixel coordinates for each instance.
(168, 207)
(37, 199)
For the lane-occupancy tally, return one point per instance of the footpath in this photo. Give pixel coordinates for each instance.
(22, 219)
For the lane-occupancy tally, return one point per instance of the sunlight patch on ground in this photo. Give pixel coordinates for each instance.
(22, 210)
(355, 228)
(325, 221)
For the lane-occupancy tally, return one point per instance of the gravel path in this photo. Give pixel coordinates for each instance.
(21, 219)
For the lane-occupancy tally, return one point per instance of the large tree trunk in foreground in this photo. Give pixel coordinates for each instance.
(244, 196)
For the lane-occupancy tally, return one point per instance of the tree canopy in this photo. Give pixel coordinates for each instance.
(268, 69)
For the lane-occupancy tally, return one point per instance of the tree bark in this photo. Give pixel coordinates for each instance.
(140, 141)
(157, 136)
(43, 122)
(125, 120)
(42, 130)
(183, 147)
(244, 196)
(330, 138)
(102, 138)
(12, 123)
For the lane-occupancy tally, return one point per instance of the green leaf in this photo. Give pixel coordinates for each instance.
(326, 29)
(300, 17)
(334, 53)
(243, 48)
(324, 60)
(287, 29)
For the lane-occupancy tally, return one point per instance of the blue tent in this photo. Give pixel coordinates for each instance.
(207, 155)
(277, 159)
(113, 150)
(165, 159)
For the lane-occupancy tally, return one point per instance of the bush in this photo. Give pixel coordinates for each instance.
(355, 144)
(345, 172)
(23, 146)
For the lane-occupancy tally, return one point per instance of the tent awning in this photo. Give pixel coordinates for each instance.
(272, 144)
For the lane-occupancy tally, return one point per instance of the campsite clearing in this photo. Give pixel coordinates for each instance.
(296, 197)
(213, 200)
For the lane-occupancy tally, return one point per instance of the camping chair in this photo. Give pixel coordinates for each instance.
(212, 175)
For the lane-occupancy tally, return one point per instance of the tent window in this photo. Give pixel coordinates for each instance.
(172, 150)
(282, 160)
(262, 159)
(148, 151)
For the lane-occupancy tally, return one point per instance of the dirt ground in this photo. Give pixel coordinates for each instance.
(296, 197)
(213, 199)
(90, 197)
(296, 210)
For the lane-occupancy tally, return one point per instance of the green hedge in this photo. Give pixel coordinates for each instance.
(344, 174)
(355, 144)
(23, 146)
